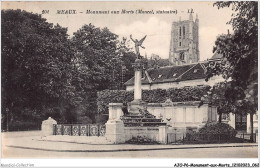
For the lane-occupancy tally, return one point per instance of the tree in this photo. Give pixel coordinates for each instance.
(36, 67)
(156, 61)
(240, 56)
(99, 60)
(220, 99)
(97, 57)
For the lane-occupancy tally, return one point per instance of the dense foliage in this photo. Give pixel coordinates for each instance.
(36, 68)
(150, 96)
(219, 96)
(240, 57)
(156, 61)
(46, 73)
(219, 128)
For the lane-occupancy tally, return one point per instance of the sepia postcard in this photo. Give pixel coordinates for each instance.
(150, 80)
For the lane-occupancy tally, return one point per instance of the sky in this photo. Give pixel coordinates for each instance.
(157, 27)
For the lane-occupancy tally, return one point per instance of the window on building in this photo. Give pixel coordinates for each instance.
(180, 31)
(180, 44)
(183, 31)
(181, 56)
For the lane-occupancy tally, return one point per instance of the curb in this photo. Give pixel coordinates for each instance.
(122, 150)
(84, 143)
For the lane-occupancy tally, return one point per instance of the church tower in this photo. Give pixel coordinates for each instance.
(184, 45)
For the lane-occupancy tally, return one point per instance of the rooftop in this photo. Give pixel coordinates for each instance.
(173, 74)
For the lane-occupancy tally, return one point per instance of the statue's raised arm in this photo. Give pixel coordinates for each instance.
(132, 38)
(137, 45)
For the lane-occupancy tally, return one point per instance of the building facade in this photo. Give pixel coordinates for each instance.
(187, 71)
(175, 77)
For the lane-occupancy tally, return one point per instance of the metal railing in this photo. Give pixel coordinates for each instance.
(79, 129)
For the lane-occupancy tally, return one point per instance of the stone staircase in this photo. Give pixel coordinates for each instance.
(142, 118)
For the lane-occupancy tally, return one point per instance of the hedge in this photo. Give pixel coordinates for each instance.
(213, 133)
(24, 126)
(150, 96)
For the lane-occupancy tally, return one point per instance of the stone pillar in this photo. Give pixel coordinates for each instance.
(204, 110)
(255, 123)
(115, 111)
(47, 126)
(248, 128)
(232, 121)
(138, 75)
(137, 89)
(163, 134)
(137, 103)
(115, 130)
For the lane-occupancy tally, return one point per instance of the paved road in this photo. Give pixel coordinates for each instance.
(234, 152)
(63, 149)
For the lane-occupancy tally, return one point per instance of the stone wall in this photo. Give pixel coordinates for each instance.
(149, 132)
(183, 114)
(179, 116)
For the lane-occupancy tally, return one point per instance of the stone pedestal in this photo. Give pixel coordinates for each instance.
(163, 134)
(115, 111)
(47, 126)
(136, 105)
(115, 131)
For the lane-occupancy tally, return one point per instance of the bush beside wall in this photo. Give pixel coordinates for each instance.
(212, 133)
(150, 96)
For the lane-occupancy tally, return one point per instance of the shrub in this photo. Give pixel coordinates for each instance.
(218, 128)
(219, 132)
(141, 140)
